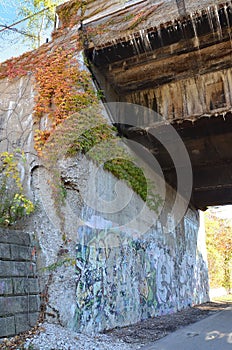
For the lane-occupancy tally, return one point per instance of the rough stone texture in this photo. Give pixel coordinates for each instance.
(19, 289)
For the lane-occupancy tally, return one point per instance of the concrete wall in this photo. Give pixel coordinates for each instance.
(19, 288)
(156, 274)
(119, 273)
(101, 269)
(16, 107)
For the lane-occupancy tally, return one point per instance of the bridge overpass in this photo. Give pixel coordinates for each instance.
(174, 57)
(124, 264)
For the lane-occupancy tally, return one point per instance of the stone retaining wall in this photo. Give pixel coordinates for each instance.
(19, 289)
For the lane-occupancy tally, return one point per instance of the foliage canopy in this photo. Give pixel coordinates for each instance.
(219, 245)
(42, 14)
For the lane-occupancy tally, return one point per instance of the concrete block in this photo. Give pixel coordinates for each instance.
(15, 237)
(24, 269)
(7, 326)
(6, 286)
(33, 318)
(18, 304)
(23, 322)
(25, 285)
(5, 251)
(12, 305)
(6, 268)
(20, 253)
(16, 269)
(34, 303)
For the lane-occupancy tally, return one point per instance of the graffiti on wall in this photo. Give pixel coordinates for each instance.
(145, 277)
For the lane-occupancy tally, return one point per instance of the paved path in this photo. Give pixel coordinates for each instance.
(212, 333)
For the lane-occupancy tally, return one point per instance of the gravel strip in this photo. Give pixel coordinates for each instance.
(55, 337)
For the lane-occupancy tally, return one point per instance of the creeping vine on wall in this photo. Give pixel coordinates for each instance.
(68, 107)
(67, 114)
(62, 89)
(71, 13)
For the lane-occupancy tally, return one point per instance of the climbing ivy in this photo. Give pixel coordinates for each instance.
(88, 139)
(69, 120)
(62, 89)
(14, 204)
(68, 16)
(68, 106)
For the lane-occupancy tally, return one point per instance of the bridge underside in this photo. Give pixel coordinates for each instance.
(208, 142)
(183, 71)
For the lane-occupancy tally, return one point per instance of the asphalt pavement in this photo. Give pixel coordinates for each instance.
(211, 333)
